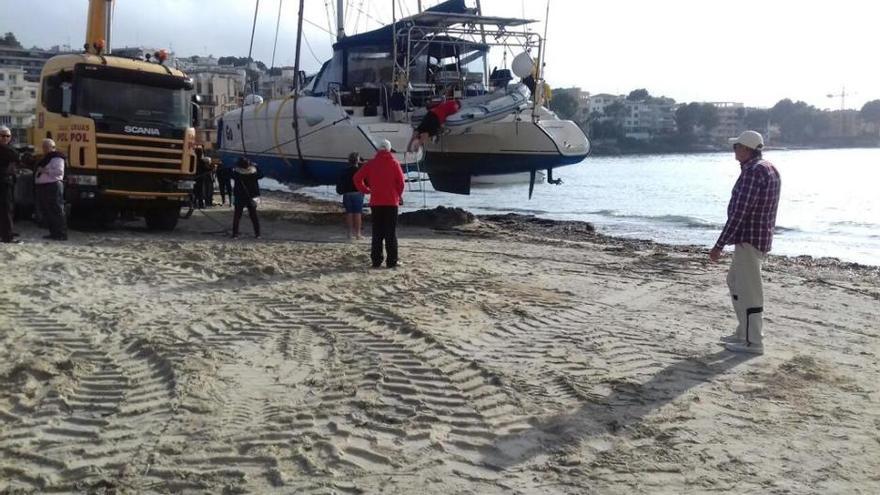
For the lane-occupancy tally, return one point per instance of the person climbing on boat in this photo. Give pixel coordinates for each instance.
(432, 123)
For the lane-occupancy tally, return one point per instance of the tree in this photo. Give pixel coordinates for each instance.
(564, 104)
(615, 111)
(757, 119)
(707, 116)
(638, 95)
(686, 118)
(10, 40)
(870, 112)
(798, 121)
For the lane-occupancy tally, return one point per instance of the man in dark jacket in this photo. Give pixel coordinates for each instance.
(8, 162)
(247, 194)
(382, 179)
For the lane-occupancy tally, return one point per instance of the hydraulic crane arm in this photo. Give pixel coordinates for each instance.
(98, 28)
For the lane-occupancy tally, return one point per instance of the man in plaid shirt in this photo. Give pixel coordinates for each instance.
(751, 219)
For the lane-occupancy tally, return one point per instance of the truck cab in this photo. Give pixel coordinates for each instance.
(126, 128)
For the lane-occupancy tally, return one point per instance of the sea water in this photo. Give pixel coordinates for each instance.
(830, 203)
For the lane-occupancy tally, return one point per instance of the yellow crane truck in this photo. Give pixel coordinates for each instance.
(126, 126)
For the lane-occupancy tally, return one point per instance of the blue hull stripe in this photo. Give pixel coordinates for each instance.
(325, 172)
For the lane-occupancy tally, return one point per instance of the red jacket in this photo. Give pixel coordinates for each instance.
(385, 179)
(445, 109)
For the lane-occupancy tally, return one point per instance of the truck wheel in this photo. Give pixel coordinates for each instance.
(164, 219)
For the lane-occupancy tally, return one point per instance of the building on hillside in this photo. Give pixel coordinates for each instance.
(731, 120)
(278, 85)
(18, 101)
(600, 101)
(845, 124)
(648, 119)
(583, 100)
(221, 89)
(30, 61)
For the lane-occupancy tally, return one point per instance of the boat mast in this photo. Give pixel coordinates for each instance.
(485, 53)
(340, 21)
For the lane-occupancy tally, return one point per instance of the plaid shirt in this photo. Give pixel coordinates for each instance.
(751, 214)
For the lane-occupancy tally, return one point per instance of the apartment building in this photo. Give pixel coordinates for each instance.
(18, 100)
(221, 89)
(731, 120)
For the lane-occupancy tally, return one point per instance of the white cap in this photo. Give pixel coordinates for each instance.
(749, 139)
(385, 145)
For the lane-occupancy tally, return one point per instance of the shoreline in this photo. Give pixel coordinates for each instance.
(575, 230)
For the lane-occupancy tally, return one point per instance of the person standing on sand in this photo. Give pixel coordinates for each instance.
(247, 194)
(382, 179)
(352, 199)
(224, 181)
(751, 219)
(49, 179)
(8, 164)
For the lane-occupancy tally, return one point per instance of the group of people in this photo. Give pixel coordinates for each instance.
(381, 178)
(48, 189)
(751, 213)
(206, 172)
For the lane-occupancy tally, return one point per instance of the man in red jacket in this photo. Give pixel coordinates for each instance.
(385, 179)
(432, 122)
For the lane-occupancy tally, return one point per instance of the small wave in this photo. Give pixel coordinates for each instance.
(689, 222)
(847, 223)
(786, 230)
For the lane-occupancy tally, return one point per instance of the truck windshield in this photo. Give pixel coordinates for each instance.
(136, 103)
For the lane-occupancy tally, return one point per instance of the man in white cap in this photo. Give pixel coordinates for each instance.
(49, 178)
(751, 219)
(382, 179)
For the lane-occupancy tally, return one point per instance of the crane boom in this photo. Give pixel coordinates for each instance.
(98, 27)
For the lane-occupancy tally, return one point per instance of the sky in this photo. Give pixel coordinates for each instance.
(751, 51)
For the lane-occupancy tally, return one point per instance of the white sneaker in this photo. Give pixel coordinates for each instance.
(732, 338)
(744, 347)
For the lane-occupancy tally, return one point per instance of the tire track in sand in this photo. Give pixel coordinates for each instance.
(123, 395)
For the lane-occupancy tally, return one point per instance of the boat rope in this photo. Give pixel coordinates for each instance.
(277, 26)
(322, 28)
(357, 19)
(309, 46)
(327, 11)
(246, 75)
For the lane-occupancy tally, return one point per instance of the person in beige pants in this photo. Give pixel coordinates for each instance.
(751, 219)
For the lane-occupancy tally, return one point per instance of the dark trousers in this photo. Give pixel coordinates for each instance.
(384, 230)
(252, 212)
(7, 193)
(225, 186)
(199, 191)
(209, 190)
(50, 202)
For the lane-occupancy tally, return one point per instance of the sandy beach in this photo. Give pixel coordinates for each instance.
(507, 355)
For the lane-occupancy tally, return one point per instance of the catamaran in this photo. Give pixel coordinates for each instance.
(379, 84)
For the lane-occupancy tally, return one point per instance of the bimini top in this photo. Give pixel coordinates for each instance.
(448, 13)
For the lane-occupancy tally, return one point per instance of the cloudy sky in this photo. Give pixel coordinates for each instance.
(753, 51)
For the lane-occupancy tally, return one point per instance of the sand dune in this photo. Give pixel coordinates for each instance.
(505, 356)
